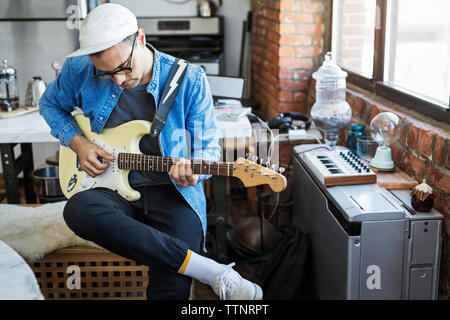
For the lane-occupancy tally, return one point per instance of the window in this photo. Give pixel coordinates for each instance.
(354, 36)
(398, 49)
(417, 56)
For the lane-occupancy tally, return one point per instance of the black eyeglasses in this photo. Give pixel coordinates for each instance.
(109, 75)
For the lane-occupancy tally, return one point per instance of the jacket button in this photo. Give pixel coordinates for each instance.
(113, 96)
(101, 118)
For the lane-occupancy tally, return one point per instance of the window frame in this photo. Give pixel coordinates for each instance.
(379, 87)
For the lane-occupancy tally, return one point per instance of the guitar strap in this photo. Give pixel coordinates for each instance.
(173, 84)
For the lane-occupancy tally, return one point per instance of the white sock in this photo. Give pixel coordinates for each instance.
(201, 268)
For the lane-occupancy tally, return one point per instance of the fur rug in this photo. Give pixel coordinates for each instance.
(35, 231)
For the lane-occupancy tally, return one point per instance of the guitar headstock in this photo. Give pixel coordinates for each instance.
(252, 174)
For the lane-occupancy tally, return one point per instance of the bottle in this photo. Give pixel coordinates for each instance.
(330, 112)
(35, 89)
(356, 130)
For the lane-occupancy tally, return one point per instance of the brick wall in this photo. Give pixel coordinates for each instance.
(287, 42)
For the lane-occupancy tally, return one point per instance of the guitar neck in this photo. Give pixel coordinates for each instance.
(142, 162)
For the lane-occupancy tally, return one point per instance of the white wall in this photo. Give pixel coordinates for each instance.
(234, 13)
(42, 151)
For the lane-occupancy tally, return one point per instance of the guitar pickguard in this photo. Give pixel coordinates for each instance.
(108, 179)
(121, 139)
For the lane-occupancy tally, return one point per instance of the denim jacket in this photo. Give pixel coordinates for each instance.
(191, 120)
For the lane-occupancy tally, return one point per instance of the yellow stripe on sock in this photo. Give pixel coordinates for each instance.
(185, 263)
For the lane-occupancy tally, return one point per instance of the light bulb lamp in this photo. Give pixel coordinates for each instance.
(385, 129)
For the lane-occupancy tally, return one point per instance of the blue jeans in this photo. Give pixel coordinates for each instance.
(157, 230)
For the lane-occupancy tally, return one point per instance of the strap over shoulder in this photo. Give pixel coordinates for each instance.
(173, 84)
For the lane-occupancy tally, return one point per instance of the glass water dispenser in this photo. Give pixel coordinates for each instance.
(331, 112)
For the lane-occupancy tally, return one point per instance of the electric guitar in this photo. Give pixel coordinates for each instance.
(122, 143)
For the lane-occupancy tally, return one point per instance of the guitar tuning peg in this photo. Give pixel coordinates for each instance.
(281, 170)
(248, 156)
(268, 163)
(254, 158)
(275, 167)
(261, 161)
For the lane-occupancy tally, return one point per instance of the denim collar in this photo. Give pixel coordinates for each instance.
(153, 85)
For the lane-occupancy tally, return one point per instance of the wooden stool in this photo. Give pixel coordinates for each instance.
(103, 275)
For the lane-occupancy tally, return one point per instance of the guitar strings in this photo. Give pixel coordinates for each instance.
(134, 161)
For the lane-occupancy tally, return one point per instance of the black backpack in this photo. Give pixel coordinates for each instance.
(287, 274)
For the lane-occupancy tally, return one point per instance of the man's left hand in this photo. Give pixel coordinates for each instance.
(181, 173)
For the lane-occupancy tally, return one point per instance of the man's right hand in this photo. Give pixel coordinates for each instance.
(90, 155)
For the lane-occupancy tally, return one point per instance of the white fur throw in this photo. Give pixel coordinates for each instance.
(35, 231)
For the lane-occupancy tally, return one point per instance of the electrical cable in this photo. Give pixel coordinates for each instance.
(273, 140)
(277, 137)
(178, 1)
(277, 203)
(275, 209)
(318, 147)
(265, 125)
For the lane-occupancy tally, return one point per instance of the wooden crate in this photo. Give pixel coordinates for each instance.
(104, 275)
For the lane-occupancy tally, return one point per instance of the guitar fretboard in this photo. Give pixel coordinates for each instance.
(141, 162)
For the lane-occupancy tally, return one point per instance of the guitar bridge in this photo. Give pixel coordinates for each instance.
(79, 165)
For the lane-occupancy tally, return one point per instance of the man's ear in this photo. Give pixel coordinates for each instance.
(141, 37)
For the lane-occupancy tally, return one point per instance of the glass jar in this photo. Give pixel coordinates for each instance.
(9, 96)
(331, 112)
(356, 130)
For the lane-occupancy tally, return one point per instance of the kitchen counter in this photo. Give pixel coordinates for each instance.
(28, 128)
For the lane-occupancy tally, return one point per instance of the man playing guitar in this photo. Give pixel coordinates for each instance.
(116, 77)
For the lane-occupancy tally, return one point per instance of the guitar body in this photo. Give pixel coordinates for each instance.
(124, 138)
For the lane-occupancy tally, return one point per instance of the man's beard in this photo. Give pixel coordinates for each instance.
(131, 83)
